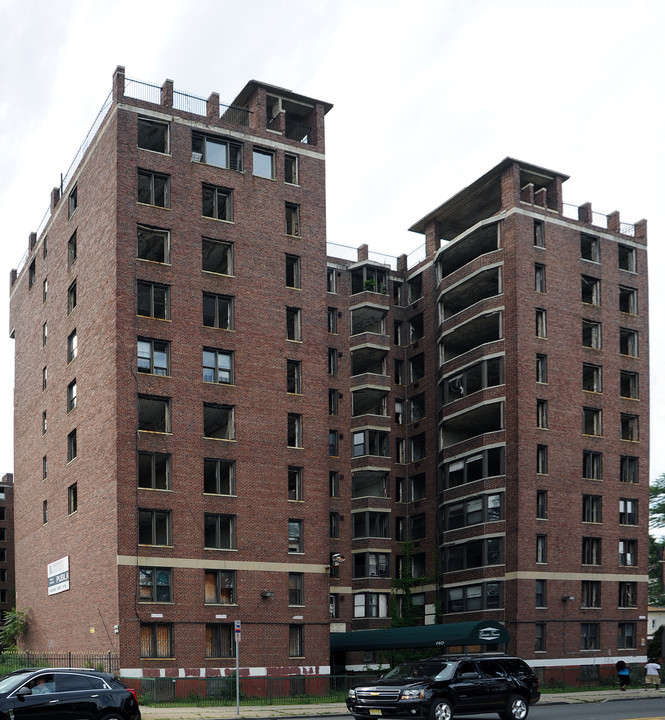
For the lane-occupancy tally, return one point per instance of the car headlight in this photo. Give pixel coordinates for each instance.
(352, 694)
(412, 694)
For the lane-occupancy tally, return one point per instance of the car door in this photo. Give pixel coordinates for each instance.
(77, 698)
(496, 682)
(41, 701)
(469, 688)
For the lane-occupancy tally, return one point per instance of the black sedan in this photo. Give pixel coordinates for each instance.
(65, 694)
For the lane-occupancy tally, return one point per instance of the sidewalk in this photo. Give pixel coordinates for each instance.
(302, 711)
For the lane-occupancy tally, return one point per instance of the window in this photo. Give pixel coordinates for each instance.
(155, 584)
(370, 605)
(589, 636)
(399, 372)
(220, 640)
(296, 641)
(589, 248)
(590, 290)
(294, 377)
(473, 597)
(153, 244)
(592, 378)
(218, 366)
(156, 640)
(263, 164)
(541, 368)
(629, 385)
(542, 459)
(44, 334)
(333, 401)
(626, 638)
(154, 527)
(32, 273)
(154, 470)
(294, 430)
(72, 499)
(592, 421)
(592, 465)
(627, 511)
(591, 551)
(295, 483)
(217, 256)
(370, 442)
(153, 300)
(371, 524)
(627, 300)
(333, 443)
(44, 423)
(291, 169)
(334, 603)
(217, 202)
(627, 594)
(295, 536)
(541, 323)
(153, 136)
(71, 298)
(44, 378)
(539, 278)
(333, 482)
(540, 634)
(72, 201)
(476, 466)
(416, 328)
(627, 258)
(334, 525)
(292, 271)
(332, 320)
(592, 508)
(218, 311)
(153, 189)
(292, 219)
(71, 396)
(220, 532)
(44, 513)
(220, 587)
(629, 469)
(591, 336)
(541, 548)
(539, 233)
(219, 477)
(71, 250)
(627, 553)
(296, 581)
(541, 593)
(541, 504)
(628, 342)
(293, 327)
(480, 509)
(541, 414)
(44, 290)
(44, 468)
(218, 421)
(370, 483)
(72, 451)
(333, 361)
(371, 564)
(630, 427)
(331, 280)
(216, 151)
(153, 356)
(154, 414)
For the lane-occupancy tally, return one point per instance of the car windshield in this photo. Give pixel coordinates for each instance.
(414, 671)
(11, 682)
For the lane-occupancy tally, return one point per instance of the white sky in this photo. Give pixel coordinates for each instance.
(428, 95)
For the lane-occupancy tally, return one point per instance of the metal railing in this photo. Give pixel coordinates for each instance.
(107, 662)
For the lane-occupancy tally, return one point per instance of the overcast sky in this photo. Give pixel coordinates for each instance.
(427, 94)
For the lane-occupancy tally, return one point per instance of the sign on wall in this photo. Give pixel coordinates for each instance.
(58, 576)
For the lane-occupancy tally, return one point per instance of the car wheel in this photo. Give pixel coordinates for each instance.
(441, 710)
(113, 716)
(517, 709)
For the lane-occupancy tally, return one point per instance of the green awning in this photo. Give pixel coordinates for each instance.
(443, 636)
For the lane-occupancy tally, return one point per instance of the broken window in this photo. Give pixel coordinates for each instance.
(217, 256)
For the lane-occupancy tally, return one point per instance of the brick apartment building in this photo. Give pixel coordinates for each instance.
(220, 422)
(7, 599)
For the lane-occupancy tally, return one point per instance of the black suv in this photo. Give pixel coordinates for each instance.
(65, 694)
(440, 688)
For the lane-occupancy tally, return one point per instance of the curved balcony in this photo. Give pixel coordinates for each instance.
(481, 285)
(483, 328)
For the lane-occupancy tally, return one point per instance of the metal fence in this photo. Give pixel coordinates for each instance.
(107, 662)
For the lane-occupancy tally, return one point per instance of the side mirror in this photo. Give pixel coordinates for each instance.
(23, 691)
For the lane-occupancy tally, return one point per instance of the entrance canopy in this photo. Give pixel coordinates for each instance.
(434, 636)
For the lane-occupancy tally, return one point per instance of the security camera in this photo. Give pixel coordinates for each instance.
(337, 559)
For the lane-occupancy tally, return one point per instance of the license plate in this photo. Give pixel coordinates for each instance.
(374, 711)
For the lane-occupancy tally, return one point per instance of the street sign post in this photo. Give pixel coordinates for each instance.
(237, 634)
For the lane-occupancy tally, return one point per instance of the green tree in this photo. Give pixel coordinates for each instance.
(657, 503)
(656, 586)
(15, 623)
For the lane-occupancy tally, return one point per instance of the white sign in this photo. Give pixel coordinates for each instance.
(58, 576)
(237, 629)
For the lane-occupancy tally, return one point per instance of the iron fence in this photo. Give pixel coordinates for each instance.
(106, 662)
